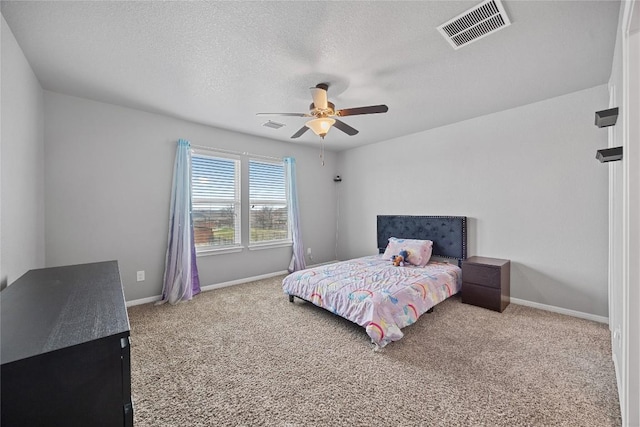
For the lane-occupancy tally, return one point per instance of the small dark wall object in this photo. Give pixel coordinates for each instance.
(337, 179)
(609, 154)
(606, 118)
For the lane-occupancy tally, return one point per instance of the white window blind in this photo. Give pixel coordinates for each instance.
(216, 206)
(268, 213)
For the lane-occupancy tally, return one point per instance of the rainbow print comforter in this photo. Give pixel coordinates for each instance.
(372, 293)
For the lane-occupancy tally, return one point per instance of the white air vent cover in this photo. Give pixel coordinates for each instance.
(272, 125)
(474, 24)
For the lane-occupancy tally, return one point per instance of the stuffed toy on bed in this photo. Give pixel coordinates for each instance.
(400, 259)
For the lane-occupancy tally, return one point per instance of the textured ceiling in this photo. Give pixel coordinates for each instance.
(220, 63)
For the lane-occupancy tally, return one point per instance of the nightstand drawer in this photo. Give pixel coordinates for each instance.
(481, 296)
(481, 275)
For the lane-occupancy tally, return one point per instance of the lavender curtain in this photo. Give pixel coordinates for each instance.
(181, 280)
(297, 259)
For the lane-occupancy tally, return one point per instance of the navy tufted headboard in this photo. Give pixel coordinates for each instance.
(448, 233)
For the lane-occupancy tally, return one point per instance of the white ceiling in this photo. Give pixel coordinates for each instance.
(220, 63)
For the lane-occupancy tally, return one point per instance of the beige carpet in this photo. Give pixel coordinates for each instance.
(244, 355)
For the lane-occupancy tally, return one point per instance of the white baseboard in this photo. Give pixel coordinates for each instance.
(210, 287)
(143, 300)
(241, 281)
(254, 278)
(323, 263)
(560, 310)
(223, 284)
(554, 309)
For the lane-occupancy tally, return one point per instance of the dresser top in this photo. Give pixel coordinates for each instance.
(52, 308)
(486, 261)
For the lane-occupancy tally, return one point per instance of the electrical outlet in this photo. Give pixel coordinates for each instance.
(140, 276)
(309, 251)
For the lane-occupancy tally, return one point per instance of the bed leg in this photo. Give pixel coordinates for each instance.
(290, 298)
(430, 310)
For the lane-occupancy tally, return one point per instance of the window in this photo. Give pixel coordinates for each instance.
(216, 207)
(268, 210)
(218, 201)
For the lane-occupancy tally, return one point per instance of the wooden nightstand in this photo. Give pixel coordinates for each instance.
(485, 282)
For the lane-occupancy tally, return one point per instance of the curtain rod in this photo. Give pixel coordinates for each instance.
(237, 153)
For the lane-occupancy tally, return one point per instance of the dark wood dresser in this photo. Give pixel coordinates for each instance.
(485, 282)
(64, 345)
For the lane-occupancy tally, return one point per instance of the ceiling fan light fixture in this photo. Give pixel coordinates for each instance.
(322, 112)
(320, 126)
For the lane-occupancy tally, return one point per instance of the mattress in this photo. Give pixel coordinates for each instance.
(374, 294)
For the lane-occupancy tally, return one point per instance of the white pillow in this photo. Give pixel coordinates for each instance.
(419, 250)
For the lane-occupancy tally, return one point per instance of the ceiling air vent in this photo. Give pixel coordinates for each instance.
(272, 125)
(474, 24)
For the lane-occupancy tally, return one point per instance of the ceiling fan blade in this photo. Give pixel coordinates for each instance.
(302, 130)
(362, 110)
(345, 128)
(319, 94)
(284, 114)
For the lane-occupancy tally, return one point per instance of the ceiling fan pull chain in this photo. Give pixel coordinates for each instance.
(322, 153)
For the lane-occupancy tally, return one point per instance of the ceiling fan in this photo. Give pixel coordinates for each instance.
(323, 112)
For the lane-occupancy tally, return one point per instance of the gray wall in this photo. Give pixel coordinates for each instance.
(528, 180)
(108, 184)
(22, 164)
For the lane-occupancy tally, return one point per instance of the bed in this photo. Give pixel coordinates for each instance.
(373, 293)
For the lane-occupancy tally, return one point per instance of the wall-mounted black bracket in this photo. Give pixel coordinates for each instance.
(609, 154)
(606, 118)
